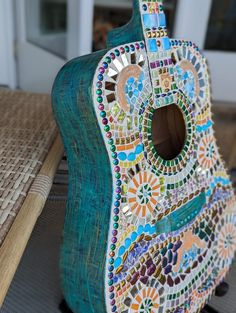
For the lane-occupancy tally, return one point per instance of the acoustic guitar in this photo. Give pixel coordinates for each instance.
(150, 225)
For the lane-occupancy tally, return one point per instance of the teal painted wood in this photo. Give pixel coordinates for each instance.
(128, 33)
(186, 214)
(83, 253)
(90, 187)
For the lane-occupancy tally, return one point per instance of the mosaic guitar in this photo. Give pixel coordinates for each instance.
(150, 224)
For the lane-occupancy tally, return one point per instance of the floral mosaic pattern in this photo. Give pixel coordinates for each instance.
(207, 152)
(227, 239)
(142, 194)
(173, 222)
(147, 301)
(133, 89)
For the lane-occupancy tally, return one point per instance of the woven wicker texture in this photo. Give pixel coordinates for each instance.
(27, 131)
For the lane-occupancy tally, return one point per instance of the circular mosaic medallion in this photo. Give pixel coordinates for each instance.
(145, 302)
(148, 299)
(207, 152)
(227, 239)
(142, 192)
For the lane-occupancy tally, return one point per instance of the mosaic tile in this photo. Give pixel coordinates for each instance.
(172, 233)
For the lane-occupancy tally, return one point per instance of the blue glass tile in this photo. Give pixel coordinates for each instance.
(134, 236)
(140, 229)
(139, 149)
(147, 228)
(121, 251)
(131, 157)
(128, 243)
(152, 43)
(202, 83)
(122, 156)
(162, 20)
(166, 43)
(150, 20)
(118, 262)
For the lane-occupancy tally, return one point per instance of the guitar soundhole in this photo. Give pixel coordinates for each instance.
(168, 131)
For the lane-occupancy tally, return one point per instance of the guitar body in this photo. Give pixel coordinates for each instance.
(150, 224)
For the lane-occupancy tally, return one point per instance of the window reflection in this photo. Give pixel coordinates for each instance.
(46, 22)
(53, 16)
(109, 14)
(222, 25)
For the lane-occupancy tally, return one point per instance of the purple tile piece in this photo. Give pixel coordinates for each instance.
(153, 65)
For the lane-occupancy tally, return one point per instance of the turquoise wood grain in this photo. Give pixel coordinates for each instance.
(128, 33)
(83, 253)
(184, 215)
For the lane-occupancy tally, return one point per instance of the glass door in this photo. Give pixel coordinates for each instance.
(46, 25)
(109, 14)
(7, 58)
(50, 32)
(211, 25)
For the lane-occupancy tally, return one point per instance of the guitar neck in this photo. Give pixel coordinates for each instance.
(158, 46)
(154, 26)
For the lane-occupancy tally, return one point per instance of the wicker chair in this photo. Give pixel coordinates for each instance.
(30, 152)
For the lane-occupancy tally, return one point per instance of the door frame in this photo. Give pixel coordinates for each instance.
(7, 40)
(191, 23)
(79, 13)
(79, 44)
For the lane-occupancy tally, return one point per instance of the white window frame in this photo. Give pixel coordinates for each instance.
(45, 64)
(7, 44)
(191, 23)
